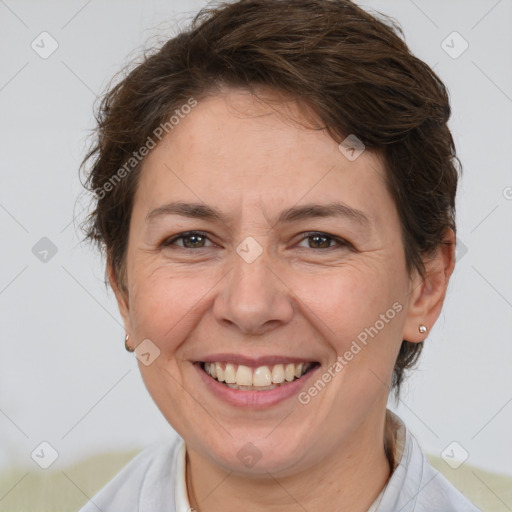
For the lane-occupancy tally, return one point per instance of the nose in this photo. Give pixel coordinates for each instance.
(254, 298)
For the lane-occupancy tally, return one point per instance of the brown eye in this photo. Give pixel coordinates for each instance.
(318, 240)
(189, 240)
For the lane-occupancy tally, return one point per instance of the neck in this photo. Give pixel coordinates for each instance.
(338, 484)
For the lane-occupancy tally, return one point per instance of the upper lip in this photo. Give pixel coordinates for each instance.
(254, 362)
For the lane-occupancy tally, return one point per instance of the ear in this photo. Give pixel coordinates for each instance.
(121, 297)
(427, 295)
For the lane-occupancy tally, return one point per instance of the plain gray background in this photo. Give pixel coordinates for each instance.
(65, 377)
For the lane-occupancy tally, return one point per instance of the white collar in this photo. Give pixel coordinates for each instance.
(180, 484)
(182, 503)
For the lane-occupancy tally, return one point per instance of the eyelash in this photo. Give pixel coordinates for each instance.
(310, 234)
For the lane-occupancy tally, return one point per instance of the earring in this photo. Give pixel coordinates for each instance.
(126, 346)
(422, 328)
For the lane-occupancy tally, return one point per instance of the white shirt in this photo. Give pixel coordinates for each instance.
(154, 481)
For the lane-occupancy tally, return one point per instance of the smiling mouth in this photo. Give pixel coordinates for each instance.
(262, 378)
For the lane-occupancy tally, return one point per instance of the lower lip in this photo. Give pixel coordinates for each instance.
(254, 399)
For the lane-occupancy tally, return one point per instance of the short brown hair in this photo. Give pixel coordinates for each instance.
(353, 69)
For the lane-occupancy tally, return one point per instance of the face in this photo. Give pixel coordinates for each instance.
(295, 264)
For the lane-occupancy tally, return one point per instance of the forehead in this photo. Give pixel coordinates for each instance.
(233, 149)
(249, 129)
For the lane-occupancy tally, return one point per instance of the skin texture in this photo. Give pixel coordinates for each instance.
(296, 299)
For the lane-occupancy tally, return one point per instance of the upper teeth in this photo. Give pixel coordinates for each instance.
(262, 376)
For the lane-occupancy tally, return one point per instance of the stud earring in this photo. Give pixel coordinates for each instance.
(422, 328)
(126, 346)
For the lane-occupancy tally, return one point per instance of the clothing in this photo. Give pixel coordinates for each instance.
(154, 481)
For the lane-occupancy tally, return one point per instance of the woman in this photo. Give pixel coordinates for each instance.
(275, 195)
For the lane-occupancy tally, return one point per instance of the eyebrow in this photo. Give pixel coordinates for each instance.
(293, 214)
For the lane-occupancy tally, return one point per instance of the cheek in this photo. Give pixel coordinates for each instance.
(165, 305)
(360, 314)
(347, 300)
